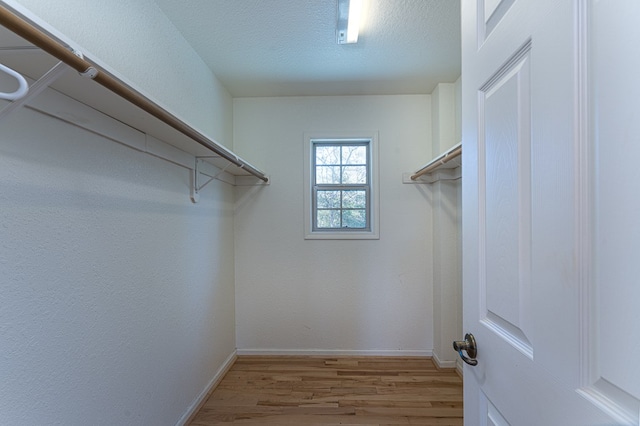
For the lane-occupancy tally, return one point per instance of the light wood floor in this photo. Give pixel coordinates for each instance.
(334, 391)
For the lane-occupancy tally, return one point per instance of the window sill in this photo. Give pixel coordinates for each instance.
(341, 235)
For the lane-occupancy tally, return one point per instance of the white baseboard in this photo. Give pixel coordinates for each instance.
(443, 364)
(204, 395)
(335, 352)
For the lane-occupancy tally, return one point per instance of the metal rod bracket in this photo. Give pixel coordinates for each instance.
(91, 73)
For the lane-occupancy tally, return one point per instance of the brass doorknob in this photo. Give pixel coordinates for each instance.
(469, 346)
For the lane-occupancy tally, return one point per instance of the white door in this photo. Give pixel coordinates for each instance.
(551, 211)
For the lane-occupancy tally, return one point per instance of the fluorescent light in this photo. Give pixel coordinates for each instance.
(349, 15)
(353, 24)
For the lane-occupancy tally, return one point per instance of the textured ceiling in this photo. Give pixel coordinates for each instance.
(288, 47)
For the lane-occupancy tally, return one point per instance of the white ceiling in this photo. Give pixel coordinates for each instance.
(288, 47)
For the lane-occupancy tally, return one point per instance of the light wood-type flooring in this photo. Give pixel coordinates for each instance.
(334, 391)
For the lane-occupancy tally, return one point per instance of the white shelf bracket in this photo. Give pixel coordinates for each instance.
(36, 88)
(196, 186)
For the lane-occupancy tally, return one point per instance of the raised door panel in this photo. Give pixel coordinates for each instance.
(489, 413)
(504, 149)
(490, 13)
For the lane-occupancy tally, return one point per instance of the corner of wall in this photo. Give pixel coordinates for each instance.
(446, 224)
(443, 116)
(202, 398)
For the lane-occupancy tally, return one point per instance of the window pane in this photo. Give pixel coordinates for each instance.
(354, 154)
(341, 184)
(327, 174)
(354, 174)
(354, 218)
(328, 218)
(328, 199)
(354, 199)
(327, 154)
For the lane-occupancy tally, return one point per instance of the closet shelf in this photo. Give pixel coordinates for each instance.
(31, 51)
(448, 160)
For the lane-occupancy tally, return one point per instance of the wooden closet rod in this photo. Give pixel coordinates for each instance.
(40, 39)
(443, 159)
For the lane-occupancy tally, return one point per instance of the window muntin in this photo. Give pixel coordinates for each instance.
(341, 184)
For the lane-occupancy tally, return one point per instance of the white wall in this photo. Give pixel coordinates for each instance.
(299, 295)
(117, 293)
(447, 276)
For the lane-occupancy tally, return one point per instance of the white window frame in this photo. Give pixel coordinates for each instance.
(374, 198)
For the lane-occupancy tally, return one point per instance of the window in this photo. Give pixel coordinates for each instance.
(340, 188)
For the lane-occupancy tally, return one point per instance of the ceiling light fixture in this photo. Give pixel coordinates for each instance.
(349, 13)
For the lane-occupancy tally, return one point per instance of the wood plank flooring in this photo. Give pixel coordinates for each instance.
(334, 391)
